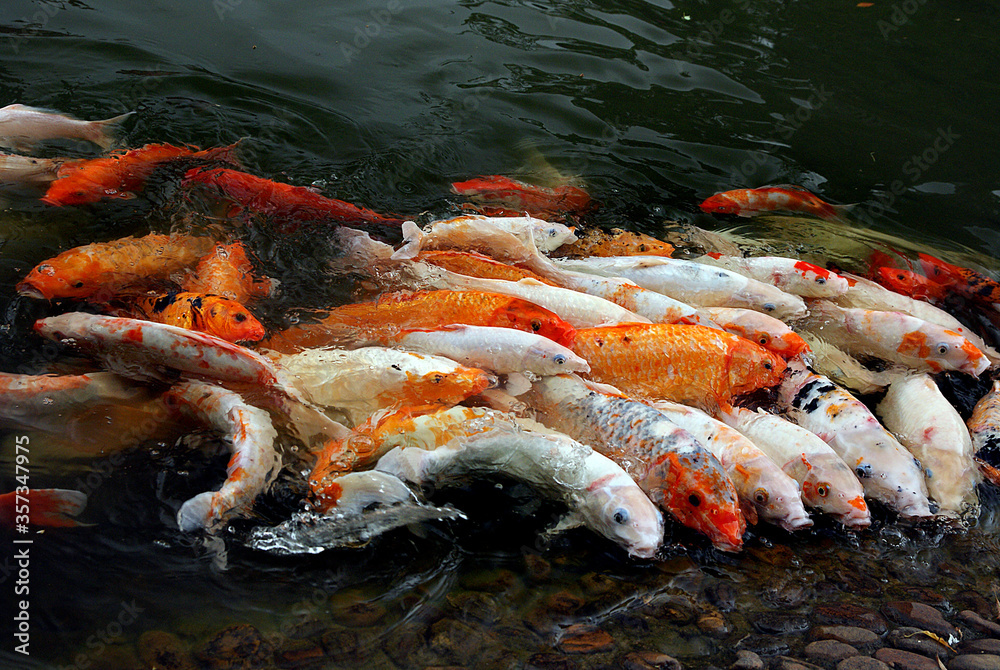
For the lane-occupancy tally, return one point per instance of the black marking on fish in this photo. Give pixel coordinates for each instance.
(163, 302)
(820, 386)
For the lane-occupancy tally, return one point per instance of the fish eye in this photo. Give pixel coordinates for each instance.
(559, 359)
(240, 317)
(823, 490)
(769, 306)
(536, 325)
(820, 280)
(694, 499)
(942, 349)
(764, 338)
(621, 516)
(863, 471)
(78, 284)
(437, 379)
(760, 496)
(767, 365)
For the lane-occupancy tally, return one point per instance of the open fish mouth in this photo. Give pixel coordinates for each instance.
(855, 519)
(29, 290)
(794, 523)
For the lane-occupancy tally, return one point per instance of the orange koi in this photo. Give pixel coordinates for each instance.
(206, 313)
(284, 201)
(973, 285)
(521, 197)
(41, 507)
(751, 201)
(616, 242)
(768, 332)
(912, 284)
(227, 271)
(690, 364)
(475, 264)
(406, 310)
(107, 267)
(121, 174)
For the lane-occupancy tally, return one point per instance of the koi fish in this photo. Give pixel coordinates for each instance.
(751, 201)
(354, 492)
(121, 174)
(973, 285)
(788, 274)
(888, 472)
(768, 332)
(522, 197)
(694, 283)
(866, 294)
(16, 170)
(616, 242)
(690, 364)
(844, 369)
(468, 233)
(250, 437)
(50, 508)
(675, 471)
(475, 264)
(501, 350)
(896, 337)
(106, 267)
(984, 427)
(910, 283)
(284, 201)
(227, 271)
(210, 314)
(23, 397)
(407, 310)
(762, 486)
(926, 423)
(825, 481)
(22, 127)
(361, 381)
(599, 494)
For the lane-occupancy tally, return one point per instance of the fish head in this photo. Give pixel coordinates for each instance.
(831, 486)
(774, 495)
(694, 489)
(446, 387)
(531, 318)
(554, 359)
(69, 275)
(751, 367)
(625, 515)
(549, 235)
(229, 320)
(720, 203)
(938, 271)
(944, 349)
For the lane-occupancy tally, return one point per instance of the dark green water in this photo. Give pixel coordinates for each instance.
(654, 106)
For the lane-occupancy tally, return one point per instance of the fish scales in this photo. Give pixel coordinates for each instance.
(690, 364)
(888, 472)
(788, 274)
(984, 427)
(677, 472)
(205, 313)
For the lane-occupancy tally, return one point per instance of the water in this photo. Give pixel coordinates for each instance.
(654, 105)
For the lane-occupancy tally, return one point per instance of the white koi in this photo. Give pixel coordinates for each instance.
(788, 274)
(15, 169)
(466, 232)
(21, 127)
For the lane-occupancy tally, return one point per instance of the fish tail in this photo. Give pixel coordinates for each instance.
(106, 131)
(53, 507)
(412, 240)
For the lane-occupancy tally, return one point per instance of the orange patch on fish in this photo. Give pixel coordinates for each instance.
(858, 503)
(915, 344)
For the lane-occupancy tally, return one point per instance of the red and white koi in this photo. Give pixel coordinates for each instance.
(783, 197)
(678, 474)
(22, 127)
(984, 427)
(51, 508)
(926, 423)
(693, 283)
(23, 397)
(767, 331)
(788, 274)
(250, 437)
(354, 492)
(888, 472)
(764, 489)
(826, 483)
(895, 337)
(599, 494)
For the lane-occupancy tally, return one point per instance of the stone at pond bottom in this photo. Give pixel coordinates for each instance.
(789, 663)
(847, 614)
(458, 641)
(650, 660)
(583, 639)
(550, 661)
(475, 608)
(747, 660)
(298, 654)
(862, 663)
(905, 660)
(777, 623)
(714, 625)
(765, 645)
(239, 647)
(722, 595)
(829, 652)
(358, 614)
(917, 641)
(973, 600)
(160, 649)
(970, 618)
(975, 662)
(983, 646)
(859, 638)
(920, 616)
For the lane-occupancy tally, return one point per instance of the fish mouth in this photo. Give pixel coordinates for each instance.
(856, 519)
(794, 523)
(915, 511)
(29, 290)
(643, 551)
